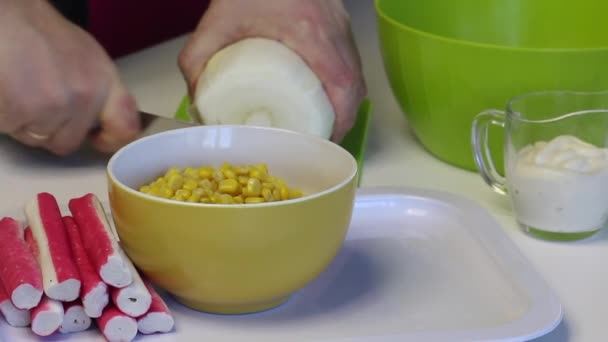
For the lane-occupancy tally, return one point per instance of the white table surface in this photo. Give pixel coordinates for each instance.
(577, 271)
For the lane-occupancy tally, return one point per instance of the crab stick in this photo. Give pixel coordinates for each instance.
(60, 276)
(134, 299)
(14, 317)
(116, 326)
(19, 270)
(99, 241)
(93, 291)
(47, 316)
(74, 318)
(158, 319)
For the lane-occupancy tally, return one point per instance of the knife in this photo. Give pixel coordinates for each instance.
(186, 115)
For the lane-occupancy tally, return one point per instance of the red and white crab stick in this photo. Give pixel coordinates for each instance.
(60, 276)
(99, 241)
(75, 318)
(93, 291)
(47, 317)
(158, 319)
(13, 316)
(117, 326)
(134, 299)
(19, 270)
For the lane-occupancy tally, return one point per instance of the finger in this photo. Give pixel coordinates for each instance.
(8, 121)
(349, 95)
(29, 138)
(119, 120)
(10, 118)
(39, 132)
(41, 120)
(342, 84)
(207, 39)
(69, 137)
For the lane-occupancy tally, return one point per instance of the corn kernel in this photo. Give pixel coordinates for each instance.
(175, 182)
(205, 184)
(254, 187)
(229, 186)
(257, 173)
(191, 173)
(249, 200)
(205, 172)
(194, 198)
(229, 174)
(262, 167)
(185, 193)
(155, 190)
(173, 171)
(165, 192)
(178, 198)
(225, 199)
(190, 184)
(284, 192)
(241, 170)
(295, 193)
(218, 175)
(278, 182)
(225, 166)
(267, 194)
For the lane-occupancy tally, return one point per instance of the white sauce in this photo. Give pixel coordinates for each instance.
(560, 185)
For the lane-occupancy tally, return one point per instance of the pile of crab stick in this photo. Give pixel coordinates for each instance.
(65, 273)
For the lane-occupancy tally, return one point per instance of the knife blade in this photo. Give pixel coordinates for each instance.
(190, 118)
(148, 118)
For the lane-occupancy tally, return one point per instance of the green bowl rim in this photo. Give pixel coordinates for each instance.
(394, 22)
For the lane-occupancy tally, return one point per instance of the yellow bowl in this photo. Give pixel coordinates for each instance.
(231, 258)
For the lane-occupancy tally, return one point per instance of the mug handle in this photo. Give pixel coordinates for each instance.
(483, 157)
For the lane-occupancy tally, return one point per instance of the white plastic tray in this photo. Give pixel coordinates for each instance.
(416, 266)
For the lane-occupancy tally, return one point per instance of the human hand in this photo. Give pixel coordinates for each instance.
(56, 82)
(318, 30)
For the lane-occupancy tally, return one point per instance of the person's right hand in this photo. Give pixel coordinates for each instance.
(57, 82)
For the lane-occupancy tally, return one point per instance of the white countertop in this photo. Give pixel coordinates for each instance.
(575, 270)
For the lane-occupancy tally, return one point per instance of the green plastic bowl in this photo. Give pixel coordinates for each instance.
(446, 61)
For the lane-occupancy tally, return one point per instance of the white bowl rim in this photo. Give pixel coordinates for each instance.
(328, 143)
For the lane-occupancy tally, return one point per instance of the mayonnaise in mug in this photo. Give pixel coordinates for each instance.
(560, 185)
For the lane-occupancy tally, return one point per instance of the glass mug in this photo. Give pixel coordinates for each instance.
(556, 161)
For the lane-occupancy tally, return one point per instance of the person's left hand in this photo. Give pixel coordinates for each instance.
(318, 30)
